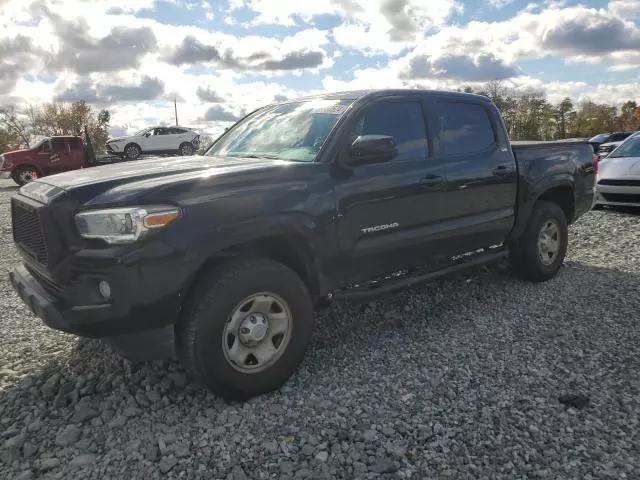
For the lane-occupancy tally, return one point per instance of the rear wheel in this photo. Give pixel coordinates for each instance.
(245, 328)
(25, 174)
(539, 253)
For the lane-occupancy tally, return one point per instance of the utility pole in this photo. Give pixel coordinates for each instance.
(175, 107)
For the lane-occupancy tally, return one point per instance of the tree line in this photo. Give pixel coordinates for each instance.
(21, 127)
(528, 115)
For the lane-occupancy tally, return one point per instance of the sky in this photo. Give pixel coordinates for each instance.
(221, 59)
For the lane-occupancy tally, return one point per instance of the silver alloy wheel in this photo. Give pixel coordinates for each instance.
(27, 176)
(132, 152)
(257, 332)
(186, 150)
(549, 242)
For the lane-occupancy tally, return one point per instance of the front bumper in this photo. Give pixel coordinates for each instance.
(617, 195)
(114, 148)
(135, 306)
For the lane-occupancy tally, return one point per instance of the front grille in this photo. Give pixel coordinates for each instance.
(27, 232)
(620, 183)
(621, 197)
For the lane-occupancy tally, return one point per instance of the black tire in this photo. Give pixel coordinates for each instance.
(186, 149)
(132, 151)
(25, 174)
(524, 253)
(199, 332)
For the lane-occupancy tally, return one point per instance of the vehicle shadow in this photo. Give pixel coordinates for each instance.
(346, 330)
(10, 188)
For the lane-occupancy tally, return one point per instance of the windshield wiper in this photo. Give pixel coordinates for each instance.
(251, 155)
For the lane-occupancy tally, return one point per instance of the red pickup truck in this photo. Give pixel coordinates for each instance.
(51, 155)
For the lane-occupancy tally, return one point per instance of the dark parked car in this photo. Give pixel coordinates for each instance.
(337, 196)
(605, 143)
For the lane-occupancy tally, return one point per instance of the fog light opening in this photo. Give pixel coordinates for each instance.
(105, 289)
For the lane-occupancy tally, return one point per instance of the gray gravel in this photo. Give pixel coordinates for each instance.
(457, 379)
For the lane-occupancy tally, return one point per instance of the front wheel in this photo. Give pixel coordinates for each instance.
(186, 149)
(245, 327)
(132, 152)
(24, 175)
(540, 251)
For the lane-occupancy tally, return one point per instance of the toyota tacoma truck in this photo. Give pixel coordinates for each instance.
(222, 258)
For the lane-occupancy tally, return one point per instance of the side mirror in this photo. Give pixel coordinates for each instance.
(372, 148)
(147, 134)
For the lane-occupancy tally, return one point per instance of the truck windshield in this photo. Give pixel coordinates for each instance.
(292, 131)
(600, 138)
(39, 145)
(630, 148)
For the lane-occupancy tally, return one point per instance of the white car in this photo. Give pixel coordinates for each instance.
(619, 175)
(156, 140)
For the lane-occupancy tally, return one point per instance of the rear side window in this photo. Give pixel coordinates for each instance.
(58, 144)
(74, 143)
(617, 137)
(403, 121)
(464, 128)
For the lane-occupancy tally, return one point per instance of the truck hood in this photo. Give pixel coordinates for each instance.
(117, 139)
(155, 168)
(617, 168)
(16, 153)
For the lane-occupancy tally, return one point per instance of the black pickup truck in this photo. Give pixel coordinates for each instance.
(223, 257)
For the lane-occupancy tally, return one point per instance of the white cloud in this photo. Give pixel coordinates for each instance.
(374, 25)
(625, 7)
(46, 56)
(500, 3)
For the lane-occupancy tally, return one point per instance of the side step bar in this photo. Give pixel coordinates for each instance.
(411, 280)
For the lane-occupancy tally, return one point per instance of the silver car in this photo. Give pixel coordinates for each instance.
(619, 175)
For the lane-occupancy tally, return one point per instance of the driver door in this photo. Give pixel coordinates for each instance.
(388, 210)
(55, 156)
(154, 140)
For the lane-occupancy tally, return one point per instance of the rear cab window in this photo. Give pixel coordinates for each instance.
(74, 144)
(465, 128)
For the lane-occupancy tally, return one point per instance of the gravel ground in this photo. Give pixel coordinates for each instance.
(458, 379)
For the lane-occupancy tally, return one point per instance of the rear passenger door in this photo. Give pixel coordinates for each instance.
(469, 137)
(387, 209)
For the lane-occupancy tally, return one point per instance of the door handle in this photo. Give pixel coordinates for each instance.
(501, 171)
(431, 178)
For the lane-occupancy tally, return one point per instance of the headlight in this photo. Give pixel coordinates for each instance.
(124, 225)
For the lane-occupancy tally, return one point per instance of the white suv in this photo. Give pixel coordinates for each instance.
(170, 140)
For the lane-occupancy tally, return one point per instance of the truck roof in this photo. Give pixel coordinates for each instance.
(361, 94)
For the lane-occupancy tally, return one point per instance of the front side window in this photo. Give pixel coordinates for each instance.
(292, 131)
(465, 128)
(404, 121)
(57, 144)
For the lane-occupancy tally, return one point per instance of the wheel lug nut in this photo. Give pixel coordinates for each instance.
(252, 319)
(244, 331)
